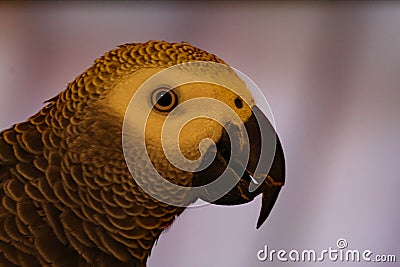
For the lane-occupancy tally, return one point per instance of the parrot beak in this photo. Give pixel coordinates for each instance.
(262, 172)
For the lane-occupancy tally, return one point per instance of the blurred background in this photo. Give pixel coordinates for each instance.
(331, 73)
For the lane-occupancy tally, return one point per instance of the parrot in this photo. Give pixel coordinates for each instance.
(76, 189)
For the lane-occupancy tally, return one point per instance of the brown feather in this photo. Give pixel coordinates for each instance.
(67, 197)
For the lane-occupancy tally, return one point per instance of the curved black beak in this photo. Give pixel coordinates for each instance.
(262, 172)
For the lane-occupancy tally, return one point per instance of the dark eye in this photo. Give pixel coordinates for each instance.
(238, 102)
(163, 99)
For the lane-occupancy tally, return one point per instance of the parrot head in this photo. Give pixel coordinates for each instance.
(196, 123)
(107, 165)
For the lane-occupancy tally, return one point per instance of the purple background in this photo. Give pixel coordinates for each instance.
(331, 73)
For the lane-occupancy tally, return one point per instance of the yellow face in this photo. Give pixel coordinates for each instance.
(202, 111)
(189, 113)
(173, 120)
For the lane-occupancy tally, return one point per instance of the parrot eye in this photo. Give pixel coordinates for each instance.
(238, 102)
(163, 99)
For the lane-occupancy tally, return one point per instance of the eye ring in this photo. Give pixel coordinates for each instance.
(164, 99)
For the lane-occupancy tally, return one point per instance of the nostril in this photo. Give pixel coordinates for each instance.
(238, 102)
